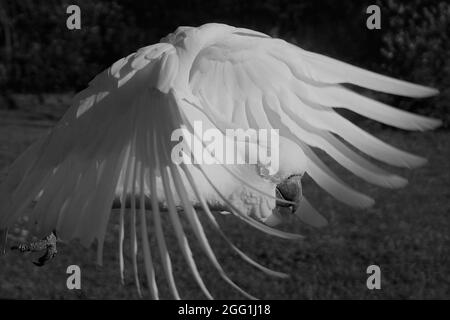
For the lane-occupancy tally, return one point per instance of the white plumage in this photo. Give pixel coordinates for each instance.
(114, 141)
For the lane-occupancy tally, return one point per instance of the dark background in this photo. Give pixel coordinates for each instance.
(35, 45)
(407, 232)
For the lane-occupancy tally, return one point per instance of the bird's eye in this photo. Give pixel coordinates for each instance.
(181, 36)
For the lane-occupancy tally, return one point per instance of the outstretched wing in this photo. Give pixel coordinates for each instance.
(116, 138)
(77, 162)
(255, 81)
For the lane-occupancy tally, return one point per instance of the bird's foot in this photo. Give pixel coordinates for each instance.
(48, 244)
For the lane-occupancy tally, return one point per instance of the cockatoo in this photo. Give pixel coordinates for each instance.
(114, 146)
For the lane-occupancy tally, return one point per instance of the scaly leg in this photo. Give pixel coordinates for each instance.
(48, 244)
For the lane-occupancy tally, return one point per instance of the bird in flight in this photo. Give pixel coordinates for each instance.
(114, 146)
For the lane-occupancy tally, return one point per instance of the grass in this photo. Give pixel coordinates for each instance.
(406, 233)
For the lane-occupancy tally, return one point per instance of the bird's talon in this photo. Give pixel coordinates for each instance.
(48, 244)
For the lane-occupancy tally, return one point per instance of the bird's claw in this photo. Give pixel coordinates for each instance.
(48, 244)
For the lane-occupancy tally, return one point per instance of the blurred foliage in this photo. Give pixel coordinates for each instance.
(417, 48)
(39, 54)
(46, 56)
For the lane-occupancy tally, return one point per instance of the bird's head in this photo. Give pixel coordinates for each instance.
(178, 37)
(191, 38)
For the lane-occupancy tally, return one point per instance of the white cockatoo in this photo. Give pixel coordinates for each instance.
(115, 143)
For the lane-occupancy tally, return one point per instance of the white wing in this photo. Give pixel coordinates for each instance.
(116, 138)
(255, 81)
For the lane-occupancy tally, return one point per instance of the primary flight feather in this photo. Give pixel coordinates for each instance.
(113, 146)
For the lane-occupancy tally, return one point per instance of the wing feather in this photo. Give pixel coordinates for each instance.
(114, 141)
(274, 84)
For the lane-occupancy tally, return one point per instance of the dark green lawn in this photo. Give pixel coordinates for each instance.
(406, 233)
